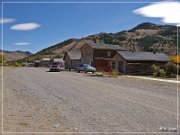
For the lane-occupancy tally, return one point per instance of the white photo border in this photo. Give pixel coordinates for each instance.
(30, 2)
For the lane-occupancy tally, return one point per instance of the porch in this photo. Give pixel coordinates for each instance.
(105, 64)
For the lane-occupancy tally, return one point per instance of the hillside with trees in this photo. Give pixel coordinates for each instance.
(144, 37)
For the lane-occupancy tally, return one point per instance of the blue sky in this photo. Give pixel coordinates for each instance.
(59, 22)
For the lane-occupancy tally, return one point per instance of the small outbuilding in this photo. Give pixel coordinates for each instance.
(58, 60)
(44, 62)
(128, 62)
(72, 59)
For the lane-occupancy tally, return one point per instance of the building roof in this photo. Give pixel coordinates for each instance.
(106, 46)
(45, 59)
(58, 60)
(144, 56)
(74, 54)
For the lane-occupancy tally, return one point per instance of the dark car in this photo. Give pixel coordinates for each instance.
(86, 68)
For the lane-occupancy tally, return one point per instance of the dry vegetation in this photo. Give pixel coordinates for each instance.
(175, 59)
(15, 55)
(144, 37)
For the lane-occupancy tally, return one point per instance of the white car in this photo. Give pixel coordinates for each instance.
(86, 68)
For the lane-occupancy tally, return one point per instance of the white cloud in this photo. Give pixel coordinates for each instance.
(22, 43)
(25, 26)
(169, 12)
(6, 20)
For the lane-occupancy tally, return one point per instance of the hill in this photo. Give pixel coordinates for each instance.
(144, 37)
(15, 55)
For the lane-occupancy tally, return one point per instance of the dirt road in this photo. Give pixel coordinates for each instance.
(38, 101)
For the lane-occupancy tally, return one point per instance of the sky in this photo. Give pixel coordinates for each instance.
(34, 26)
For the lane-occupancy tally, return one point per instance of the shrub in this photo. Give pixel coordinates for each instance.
(147, 41)
(171, 69)
(108, 39)
(155, 70)
(99, 71)
(168, 70)
(162, 73)
(3, 59)
(167, 32)
(17, 64)
(113, 73)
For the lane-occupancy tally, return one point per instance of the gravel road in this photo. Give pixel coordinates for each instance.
(35, 100)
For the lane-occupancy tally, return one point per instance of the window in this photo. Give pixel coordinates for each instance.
(109, 54)
(113, 65)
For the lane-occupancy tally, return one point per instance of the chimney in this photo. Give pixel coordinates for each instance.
(154, 51)
(133, 50)
(133, 43)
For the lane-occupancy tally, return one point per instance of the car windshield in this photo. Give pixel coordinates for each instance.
(86, 65)
(56, 63)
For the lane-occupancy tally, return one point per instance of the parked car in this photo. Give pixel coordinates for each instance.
(57, 66)
(86, 68)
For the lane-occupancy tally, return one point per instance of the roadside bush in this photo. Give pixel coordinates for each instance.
(171, 69)
(99, 71)
(113, 73)
(178, 66)
(3, 60)
(168, 70)
(17, 64)
(155, 70)
(162, 73)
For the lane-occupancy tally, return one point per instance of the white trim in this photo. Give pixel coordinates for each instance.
(2, 41)
(177, 80)
(89, 132)
(88, 2)
(154, 79)
(77, 3)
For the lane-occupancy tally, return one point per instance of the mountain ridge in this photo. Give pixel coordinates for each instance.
(15, 55)
(144, 37)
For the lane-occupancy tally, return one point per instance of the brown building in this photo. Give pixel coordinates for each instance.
(128, 62)
(100, 56)
(44, 62)
(72, 59)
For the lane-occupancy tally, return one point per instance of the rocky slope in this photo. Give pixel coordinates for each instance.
(144, 37)
(15, 55)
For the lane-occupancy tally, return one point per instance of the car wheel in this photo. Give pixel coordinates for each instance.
(78, 71)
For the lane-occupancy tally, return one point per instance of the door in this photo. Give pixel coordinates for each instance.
(120, 66)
